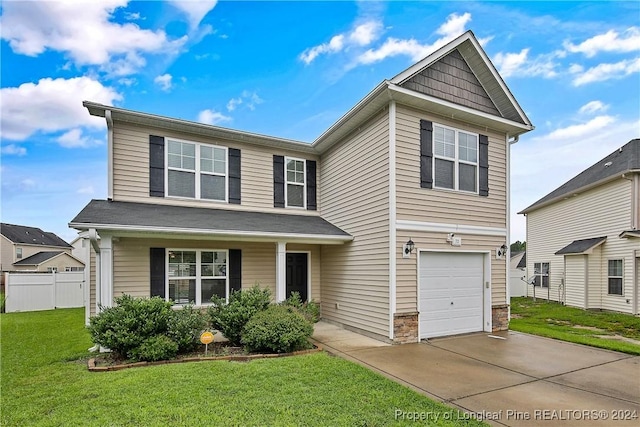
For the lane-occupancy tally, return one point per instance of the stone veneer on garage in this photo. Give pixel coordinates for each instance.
(405, 328)
(500, 317)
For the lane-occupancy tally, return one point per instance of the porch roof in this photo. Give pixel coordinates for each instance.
(130, 217)
(583, 246)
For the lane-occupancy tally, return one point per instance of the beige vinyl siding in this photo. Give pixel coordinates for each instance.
(446, 206)
(355, 194)
(131, 170)
(407, 270)
(575, 268)
(8, 255)
(59, 262)
(601, 211)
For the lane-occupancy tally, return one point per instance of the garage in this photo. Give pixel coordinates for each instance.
(451, 293)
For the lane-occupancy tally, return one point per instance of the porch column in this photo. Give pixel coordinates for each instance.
(106, 270)
(281, 271)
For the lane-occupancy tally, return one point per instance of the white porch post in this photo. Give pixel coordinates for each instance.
(106, 270)
(281, 271)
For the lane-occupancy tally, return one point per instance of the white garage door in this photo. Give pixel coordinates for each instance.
(451, 293)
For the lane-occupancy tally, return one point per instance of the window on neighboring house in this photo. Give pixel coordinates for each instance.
(18, 253)
(52, 269)
(74, 269)
(455, 159)
(615, 277)
(196, 171)
(295, 180)
(194, 276)
(541, 274)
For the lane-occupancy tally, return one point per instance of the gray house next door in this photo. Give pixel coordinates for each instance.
(298, 274)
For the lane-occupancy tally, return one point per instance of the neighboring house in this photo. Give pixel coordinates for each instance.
(195, 210)
(583, 239)
(518, 273)
(30, 248)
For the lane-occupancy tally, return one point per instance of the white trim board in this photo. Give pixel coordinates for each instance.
(439, 227)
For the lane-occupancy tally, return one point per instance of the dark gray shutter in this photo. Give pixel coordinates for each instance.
(157, 271)
(235, 270)
(234, 176)
(483, 163)
(278, 181)
(426, 154)
(156, 166)
(311, 185)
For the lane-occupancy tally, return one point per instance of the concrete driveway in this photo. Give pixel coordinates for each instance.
(508, 378)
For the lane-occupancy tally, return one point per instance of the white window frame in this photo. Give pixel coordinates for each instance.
(18, 253)
(304, 184)
(621, 277)
(198, 277)
(539, 274)
(456, 160)
(73, 269)
(197, 171)
(52, 269)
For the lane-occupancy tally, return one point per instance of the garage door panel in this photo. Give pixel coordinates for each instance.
(450, 293)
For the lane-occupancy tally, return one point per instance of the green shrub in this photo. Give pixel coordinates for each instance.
(125, 326)
(158, 347)
(184, 328)
(278, 329)
(231, 318)
(310, 310)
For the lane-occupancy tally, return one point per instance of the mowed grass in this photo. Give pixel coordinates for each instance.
(595, 328)
(45, 382)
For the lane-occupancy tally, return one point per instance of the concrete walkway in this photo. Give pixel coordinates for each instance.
(509, 378)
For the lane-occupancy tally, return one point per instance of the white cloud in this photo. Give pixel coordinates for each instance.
(51, 105)
(593, 107)
(247, 98)
(233, 103)
(212, 117)
(75, 139)
(87, 189)
(576, 68)
(453, 27)
(164, 81)
(13, 150)
(361, 35)
(84, 31)
(28, 184)
(611, 41)
(195, 10)
(583, 129)
(520, 65)
(603, 72)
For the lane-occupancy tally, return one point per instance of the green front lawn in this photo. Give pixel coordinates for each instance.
(612, 331)
(45, 382)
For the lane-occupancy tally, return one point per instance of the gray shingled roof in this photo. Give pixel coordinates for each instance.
(103, 214)
(625, 159)
(581, 246)
(37, 259)
(31, 236)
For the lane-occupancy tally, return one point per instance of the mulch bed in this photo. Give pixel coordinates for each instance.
(217, 351)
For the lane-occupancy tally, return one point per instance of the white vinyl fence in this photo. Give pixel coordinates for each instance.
(43, 291)
(518, 286)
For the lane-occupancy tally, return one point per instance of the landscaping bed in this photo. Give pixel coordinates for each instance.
(608, 330)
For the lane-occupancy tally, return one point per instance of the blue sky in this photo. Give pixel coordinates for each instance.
(291, 69)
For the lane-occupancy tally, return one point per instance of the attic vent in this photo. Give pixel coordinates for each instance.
(606, 165)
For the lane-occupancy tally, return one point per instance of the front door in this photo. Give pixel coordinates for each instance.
(297, 275)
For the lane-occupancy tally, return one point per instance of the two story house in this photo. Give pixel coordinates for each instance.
(395, 219)
(25, 248)
(583, 238)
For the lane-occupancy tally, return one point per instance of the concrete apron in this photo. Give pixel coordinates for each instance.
(508, 378)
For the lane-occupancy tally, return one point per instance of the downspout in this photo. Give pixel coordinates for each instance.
(107, 116)
(93, 238)
(392, 217)
(508, 243)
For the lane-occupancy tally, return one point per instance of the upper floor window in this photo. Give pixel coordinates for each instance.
(196, 170)
(18, 253)
(615, 277)
(541, 273)
(455, 159)
(295, 177)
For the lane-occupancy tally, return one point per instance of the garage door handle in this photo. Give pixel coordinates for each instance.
(451, 302)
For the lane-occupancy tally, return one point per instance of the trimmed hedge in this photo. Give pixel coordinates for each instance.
(278, 329)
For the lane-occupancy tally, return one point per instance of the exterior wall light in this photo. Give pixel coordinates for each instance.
(407, 248)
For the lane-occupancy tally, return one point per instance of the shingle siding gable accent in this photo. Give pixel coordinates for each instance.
(156, 166)
(452, 79)
(278, 181)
